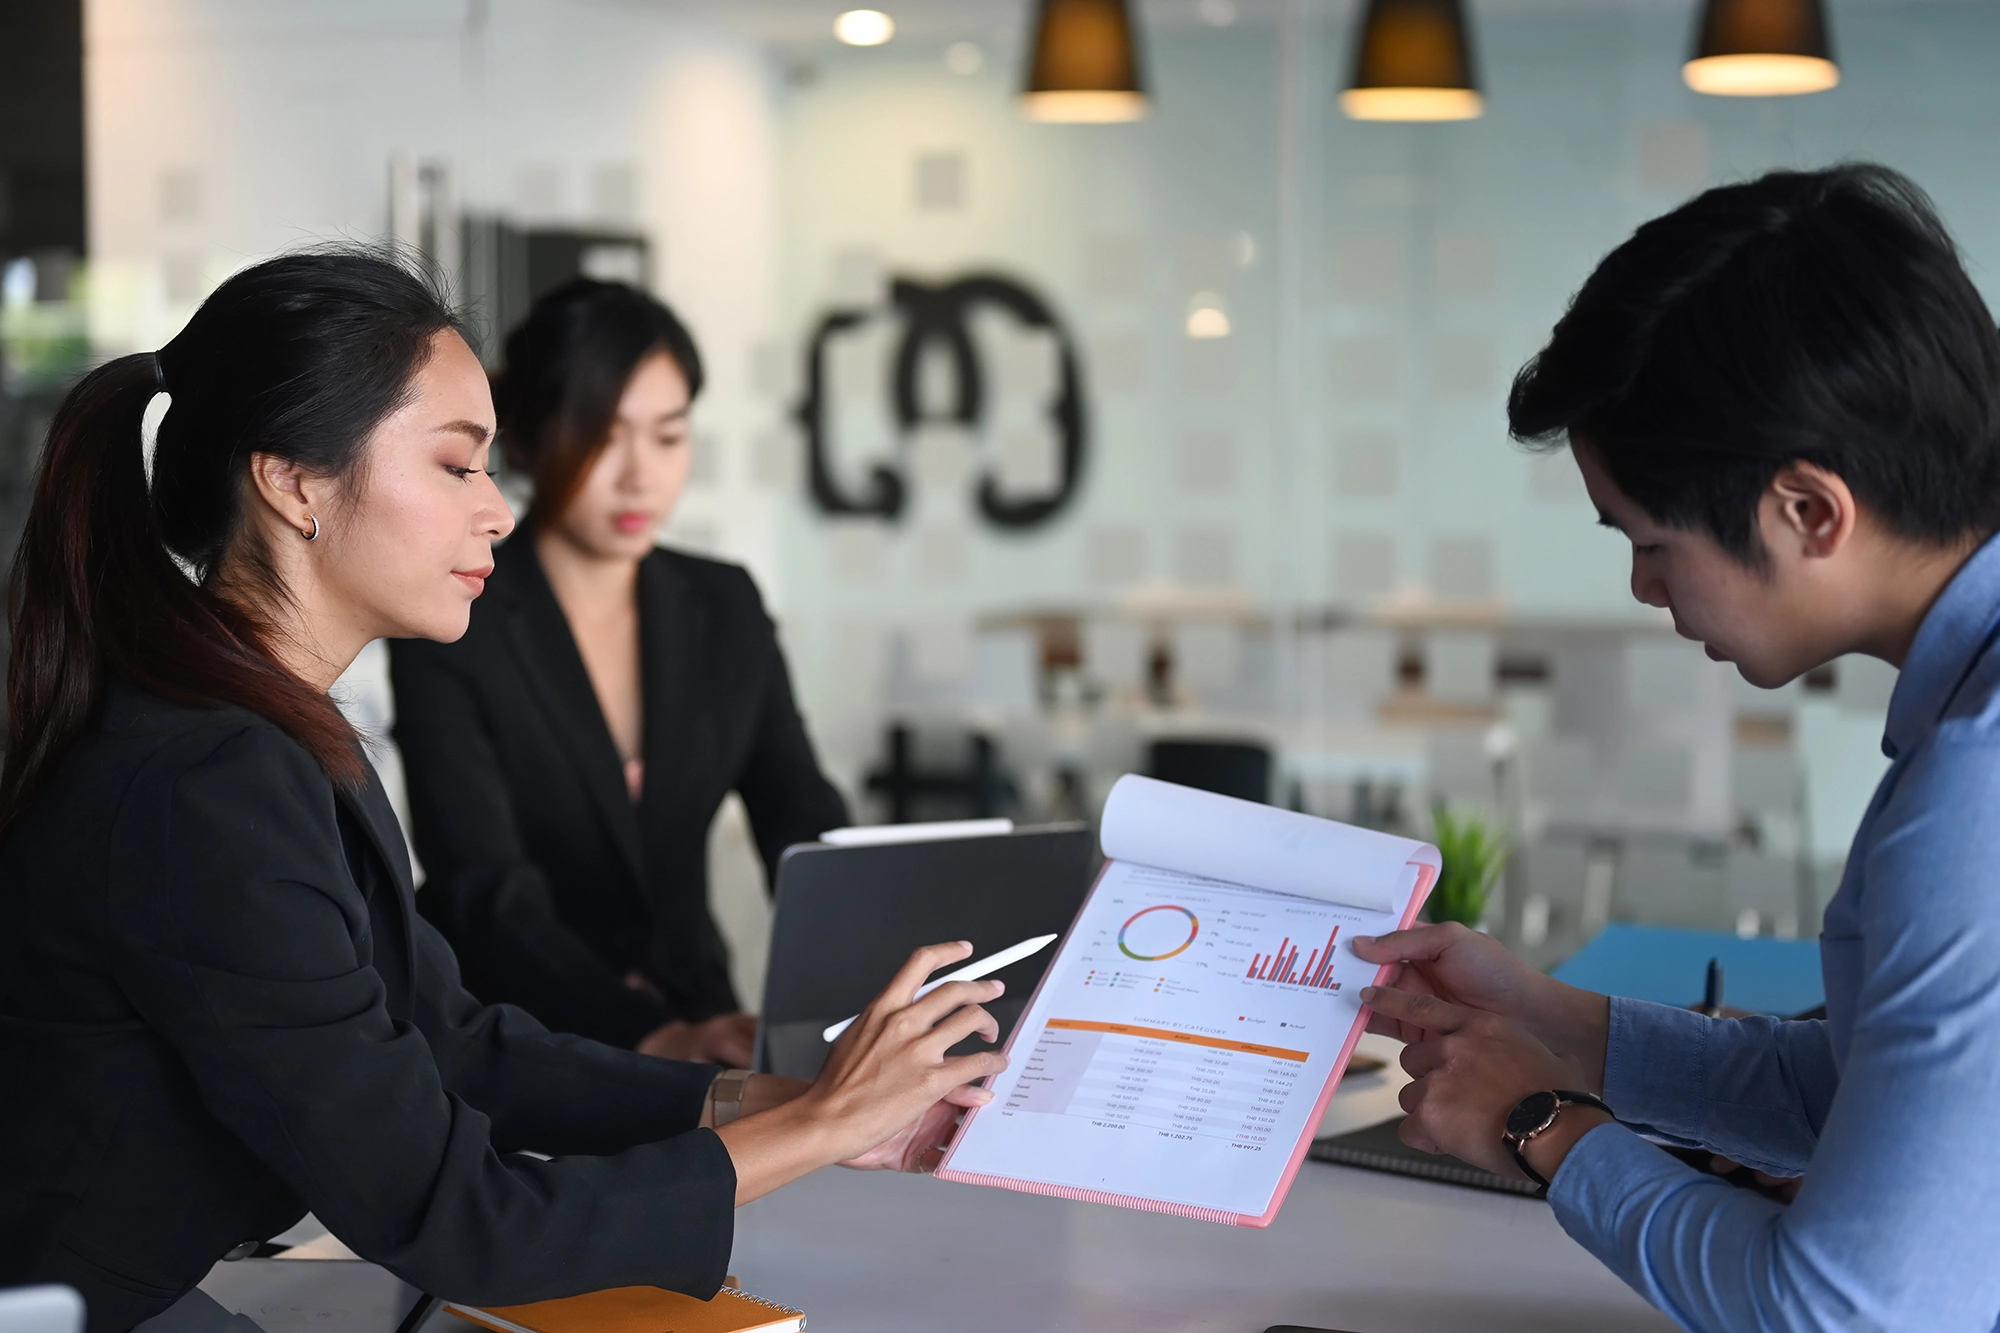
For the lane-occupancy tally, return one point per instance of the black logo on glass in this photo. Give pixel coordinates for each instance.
(936, 321)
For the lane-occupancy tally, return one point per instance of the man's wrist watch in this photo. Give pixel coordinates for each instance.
(1534, 1114)
(725, 1095)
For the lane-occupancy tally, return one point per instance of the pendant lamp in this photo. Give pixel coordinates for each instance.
(1413, 61)
(1085, 63)
(1761, 48)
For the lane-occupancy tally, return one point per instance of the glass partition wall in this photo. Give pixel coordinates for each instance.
(1065, 450)
(1148, 445)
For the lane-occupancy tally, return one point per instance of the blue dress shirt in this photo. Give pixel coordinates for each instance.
(1890, 1106)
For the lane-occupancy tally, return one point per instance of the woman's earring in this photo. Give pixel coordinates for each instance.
(309, 536)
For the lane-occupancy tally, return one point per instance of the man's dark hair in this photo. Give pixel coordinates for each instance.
(1818, 316)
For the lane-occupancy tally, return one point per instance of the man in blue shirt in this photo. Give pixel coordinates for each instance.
(1786, 394)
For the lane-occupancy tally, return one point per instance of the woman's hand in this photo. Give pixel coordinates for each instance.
(1469, 1070)
(890, 1067)
(1475, 971)
(919, 1147)
(889, 1093)
(729, 1040)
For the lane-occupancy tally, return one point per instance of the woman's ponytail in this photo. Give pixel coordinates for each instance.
(78, 544)
(299, 357)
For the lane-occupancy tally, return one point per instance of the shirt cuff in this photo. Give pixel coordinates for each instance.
(1604, 1172)
(1654, 1063)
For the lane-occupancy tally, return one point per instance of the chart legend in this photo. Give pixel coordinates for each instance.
(1282, 965)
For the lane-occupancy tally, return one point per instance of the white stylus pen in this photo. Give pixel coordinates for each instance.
(970, 972)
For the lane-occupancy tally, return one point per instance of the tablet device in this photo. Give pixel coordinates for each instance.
(848, 916)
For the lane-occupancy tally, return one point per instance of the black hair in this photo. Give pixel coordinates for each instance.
(300, 357)
(567, 365)
(1819, 316)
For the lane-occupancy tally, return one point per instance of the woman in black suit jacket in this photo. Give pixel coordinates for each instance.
(218, 1007)
(568, 755)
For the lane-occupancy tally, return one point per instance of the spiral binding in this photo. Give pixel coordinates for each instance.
(743, 1295)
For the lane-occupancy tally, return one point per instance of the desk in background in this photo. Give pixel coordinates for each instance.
(1668, 966)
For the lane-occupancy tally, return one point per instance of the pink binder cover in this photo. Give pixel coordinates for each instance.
(1426, 877)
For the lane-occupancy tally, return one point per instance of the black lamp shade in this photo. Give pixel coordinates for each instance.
(1413, 61)
(1085, 63)
(1762, 48)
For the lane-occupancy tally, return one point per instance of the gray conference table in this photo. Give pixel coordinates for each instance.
(1352, 1249)
(875, 1252)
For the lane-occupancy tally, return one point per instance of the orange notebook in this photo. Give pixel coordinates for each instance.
(638, 1310)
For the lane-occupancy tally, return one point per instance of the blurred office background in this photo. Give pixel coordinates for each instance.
(1061, 450)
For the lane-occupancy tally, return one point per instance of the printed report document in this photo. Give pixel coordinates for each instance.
(1184, 1041)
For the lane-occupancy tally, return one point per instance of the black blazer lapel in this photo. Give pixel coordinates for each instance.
(547, 651)
(675, 641)
(369, 804)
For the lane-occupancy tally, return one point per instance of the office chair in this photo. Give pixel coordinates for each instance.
(1230, 768)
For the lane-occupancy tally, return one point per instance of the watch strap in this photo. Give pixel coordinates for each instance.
(1568, 1098)
(1521, 1160)
(1565, 1097)
(725, 1095)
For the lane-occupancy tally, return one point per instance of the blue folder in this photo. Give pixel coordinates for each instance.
(1668, 966)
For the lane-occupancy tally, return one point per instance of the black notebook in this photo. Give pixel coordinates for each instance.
(1377, 1148)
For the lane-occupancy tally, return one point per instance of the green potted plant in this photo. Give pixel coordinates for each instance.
(1475, 854)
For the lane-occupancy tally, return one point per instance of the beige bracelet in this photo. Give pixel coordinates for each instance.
(726, 1095)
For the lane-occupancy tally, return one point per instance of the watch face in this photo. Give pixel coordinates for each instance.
(1531, 1113)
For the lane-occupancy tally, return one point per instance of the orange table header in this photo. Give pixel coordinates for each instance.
(1162, 1034)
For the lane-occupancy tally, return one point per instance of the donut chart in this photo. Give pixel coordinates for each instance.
(1153, 934)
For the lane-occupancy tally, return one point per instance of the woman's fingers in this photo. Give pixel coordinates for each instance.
(953, 994)
(960, 1070)
(917, 970)
(1425, 1011)
(959, 1025)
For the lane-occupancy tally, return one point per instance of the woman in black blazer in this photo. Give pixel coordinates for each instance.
(218, 1006)
(567, 756)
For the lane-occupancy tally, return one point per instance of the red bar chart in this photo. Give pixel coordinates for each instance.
(1282, 965)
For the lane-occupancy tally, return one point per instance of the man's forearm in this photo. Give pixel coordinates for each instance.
(1575, 1023)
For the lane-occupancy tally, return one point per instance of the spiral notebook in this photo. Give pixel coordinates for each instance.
(1184, 1042)
(1381, 1148)
(638, 1310)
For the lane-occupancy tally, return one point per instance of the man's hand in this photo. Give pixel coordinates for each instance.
(1469, 1071)
(1474, 971)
